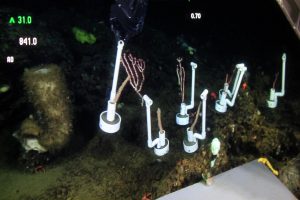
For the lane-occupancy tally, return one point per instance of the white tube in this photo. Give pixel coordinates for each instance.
(203, 96)
(116, 71)
(154, 143)
(281, 93)
(149, 102)
(162, 138)
(272, 102)
(202, 136)
(111, 110)
(241, 70)
(190, 135)
(223, 98)
(194, 66)
(226, 89)
(183, 110)
(199, 136)
(235, 85)
(273, 96)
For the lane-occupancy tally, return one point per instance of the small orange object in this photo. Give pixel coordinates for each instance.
(244, 86)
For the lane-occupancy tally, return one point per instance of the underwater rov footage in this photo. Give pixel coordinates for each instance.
(137, 99)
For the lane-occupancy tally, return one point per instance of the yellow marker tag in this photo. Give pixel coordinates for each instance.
(266, 162)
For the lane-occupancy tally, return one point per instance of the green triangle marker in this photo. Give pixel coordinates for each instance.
(12, 20)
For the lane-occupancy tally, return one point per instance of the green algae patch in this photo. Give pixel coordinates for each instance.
(83, 37)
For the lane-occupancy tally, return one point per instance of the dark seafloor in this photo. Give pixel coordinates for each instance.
(98, 166)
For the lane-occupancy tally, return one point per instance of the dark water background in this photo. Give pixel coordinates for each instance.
(256, 31)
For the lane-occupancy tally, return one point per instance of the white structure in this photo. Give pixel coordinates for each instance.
(227, 97)
(190, 142)
(215, 147)
(272, 101)
(160, 144)
(30, 144)
(248, 181)
(110, 120)
(182, 118)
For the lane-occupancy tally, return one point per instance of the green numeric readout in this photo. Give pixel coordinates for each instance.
(20, 20)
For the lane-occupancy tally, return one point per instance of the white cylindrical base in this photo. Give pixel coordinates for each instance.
(109, 126)
(182, 119)
(272, 104)
(190, 147)
(163, 149)
(222, 108)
